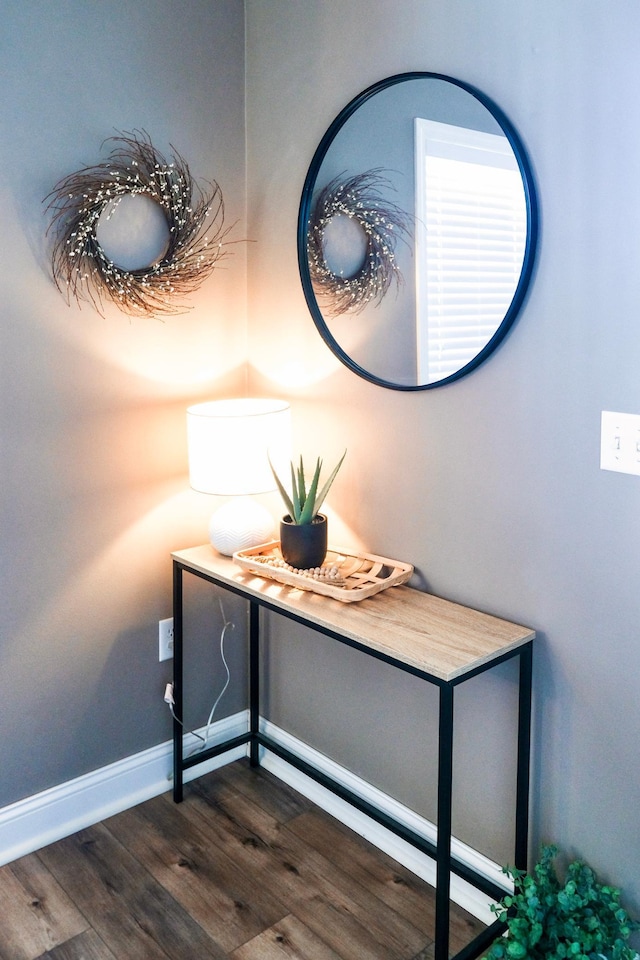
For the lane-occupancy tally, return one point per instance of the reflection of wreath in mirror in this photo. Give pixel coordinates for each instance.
(195, 222)
(361, 199)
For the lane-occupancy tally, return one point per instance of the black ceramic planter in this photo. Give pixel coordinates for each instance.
(304, 546)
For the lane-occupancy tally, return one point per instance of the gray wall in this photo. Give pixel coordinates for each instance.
(94, 489)
(490, 486)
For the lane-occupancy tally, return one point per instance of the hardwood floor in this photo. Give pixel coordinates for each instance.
(243, 869)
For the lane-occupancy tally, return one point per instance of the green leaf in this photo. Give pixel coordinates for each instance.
(283, 493)
(517, 951)
(310, 510)
(302, 488)
(297, 494)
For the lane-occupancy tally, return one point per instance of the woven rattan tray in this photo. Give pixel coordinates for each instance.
(344, 576)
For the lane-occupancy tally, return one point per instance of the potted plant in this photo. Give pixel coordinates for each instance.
(303, 529)
(580, 919)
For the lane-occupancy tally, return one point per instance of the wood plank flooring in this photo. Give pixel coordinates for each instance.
(243, 869)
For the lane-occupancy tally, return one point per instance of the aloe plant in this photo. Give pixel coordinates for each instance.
(305, 501)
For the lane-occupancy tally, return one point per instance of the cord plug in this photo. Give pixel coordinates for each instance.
(168, 694)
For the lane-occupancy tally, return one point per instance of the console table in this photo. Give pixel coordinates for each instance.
(442, 642)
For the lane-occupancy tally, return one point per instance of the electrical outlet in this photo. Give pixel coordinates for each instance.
(165, 639)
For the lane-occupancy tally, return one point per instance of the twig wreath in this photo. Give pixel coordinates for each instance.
(195, 220)
(361, 198)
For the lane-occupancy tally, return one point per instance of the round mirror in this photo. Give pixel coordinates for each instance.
(417, 231)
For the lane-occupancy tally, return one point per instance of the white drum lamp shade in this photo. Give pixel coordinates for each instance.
(230, 443)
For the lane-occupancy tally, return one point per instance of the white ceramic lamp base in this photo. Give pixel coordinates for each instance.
(240, 524)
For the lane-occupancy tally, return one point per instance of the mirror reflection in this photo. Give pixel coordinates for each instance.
(417, 231)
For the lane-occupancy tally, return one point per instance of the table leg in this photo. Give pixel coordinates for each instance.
(254, 682)
(443, 851)
(177, 683)
(524, 752)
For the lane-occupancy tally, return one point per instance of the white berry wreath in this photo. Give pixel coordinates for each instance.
(361, 198)
(195, 220)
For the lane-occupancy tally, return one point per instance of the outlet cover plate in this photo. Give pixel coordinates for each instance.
(620, 442)
(165, 639)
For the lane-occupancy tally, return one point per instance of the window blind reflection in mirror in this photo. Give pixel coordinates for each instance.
(471, 229)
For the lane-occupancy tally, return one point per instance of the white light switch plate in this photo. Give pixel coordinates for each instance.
(620, 442)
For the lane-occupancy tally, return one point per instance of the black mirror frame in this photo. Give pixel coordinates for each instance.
(528, 261)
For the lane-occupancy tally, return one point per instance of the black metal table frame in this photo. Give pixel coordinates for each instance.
(446, 862)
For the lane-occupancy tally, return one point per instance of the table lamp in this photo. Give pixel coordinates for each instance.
(230, 443)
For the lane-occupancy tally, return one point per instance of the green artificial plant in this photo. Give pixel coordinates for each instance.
(580, 919)
(305, 501)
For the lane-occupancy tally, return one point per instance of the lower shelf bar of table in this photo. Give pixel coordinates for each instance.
(405, 833)
(216, 751)
(394, 826)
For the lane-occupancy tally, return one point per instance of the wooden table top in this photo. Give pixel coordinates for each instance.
(437, 637)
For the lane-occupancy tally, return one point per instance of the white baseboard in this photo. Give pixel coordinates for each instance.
(32, 823)
(462, 893)
(36, 821)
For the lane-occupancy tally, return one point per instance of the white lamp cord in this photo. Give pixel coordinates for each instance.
(168, 695)
(226, 624)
